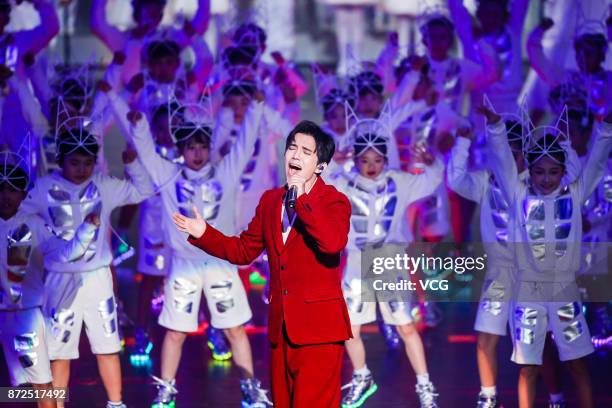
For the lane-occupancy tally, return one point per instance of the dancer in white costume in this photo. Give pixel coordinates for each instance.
(27, 240)
(212, 188)
(82, 292)
(546, 212)
(379, 198)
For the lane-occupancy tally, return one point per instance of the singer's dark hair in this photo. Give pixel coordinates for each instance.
(325, 143)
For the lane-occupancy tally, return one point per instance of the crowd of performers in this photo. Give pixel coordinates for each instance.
(417, 150)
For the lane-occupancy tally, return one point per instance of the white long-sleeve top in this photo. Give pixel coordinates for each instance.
(598, 208)
(454, 77)
(25, 240)
(379, 206)
(260, 172)
(211, 189)
(548, 227)
(64, 205)
(495, 212)
(117, 40)
(597, 87)
(13, 47)
(507, 45)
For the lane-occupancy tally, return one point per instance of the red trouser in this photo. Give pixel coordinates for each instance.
(306, 376)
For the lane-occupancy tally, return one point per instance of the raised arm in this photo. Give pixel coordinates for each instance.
(597, 162)
(328, 222)
(469, 185)
(426, 184)
(463, 25)
(573, 165)
(500, 155)
(138, 132)
(123, 192)
(30, 107)
(552, 73)
(33, 41)
(114, 39)
(518, 12)
(200, 21)
(384, 63)
(480, 76)
(233, 164)
(203, 64)
(405, 90)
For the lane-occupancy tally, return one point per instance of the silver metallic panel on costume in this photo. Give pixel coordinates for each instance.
(89, 199)
(183, 305)
(62, 321)
(19, 248)
(492, 306)
(221, 289)
(499, 211)
(247, 175)
(573, 331)
(533, 209)
(568, 312)
(25, 342)
(562, 230)
(156, 261)
(525, 335)
(212, 192)
(185, 290)
(28, 359)
(526, 315)
(396, 306)
(184, 191)
(354, 305)
(359, 205)
(106, 308)
(90, 252)
(538, 251)
(563, 205)
(360, 225)
(535, 232)
(496, 290)
(224, 305)
(60, 209)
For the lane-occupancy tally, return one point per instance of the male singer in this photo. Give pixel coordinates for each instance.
(303, 227)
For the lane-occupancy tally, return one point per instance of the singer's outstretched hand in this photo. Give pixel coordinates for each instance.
(193, 226)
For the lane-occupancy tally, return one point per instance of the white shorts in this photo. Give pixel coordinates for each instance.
(494, 305)
(22, 333)
(531, 321)
(76, 298)
(396, 313)
(223, 289)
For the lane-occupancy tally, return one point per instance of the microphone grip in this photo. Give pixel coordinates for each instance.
(291, 197)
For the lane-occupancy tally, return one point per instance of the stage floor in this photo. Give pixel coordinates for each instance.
(203, 382)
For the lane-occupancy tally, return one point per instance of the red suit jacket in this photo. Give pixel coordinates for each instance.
(305, 274)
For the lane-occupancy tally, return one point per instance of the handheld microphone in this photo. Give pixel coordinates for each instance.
(291, 197)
